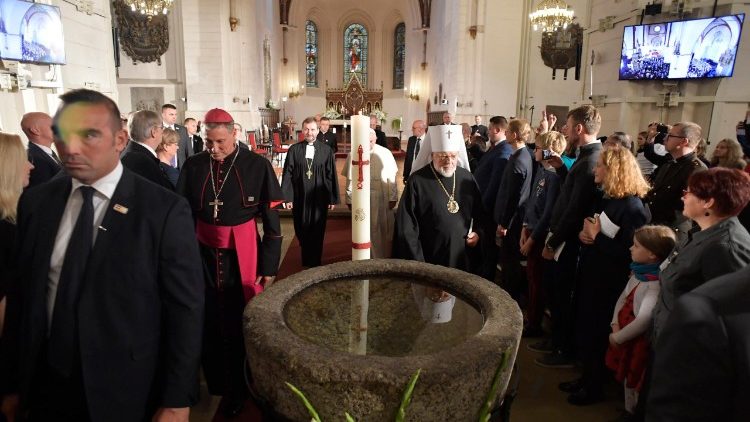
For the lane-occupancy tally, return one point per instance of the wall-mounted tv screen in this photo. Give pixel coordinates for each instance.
(31, 32)
(698, 48)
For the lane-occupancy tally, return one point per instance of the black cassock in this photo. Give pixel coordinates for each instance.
(426, 231)
(310, 196)
(250, 190)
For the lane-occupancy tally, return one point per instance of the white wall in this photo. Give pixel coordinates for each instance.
(90, 62)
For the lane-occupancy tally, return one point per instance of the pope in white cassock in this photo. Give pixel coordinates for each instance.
(440, 215)
(383, 196)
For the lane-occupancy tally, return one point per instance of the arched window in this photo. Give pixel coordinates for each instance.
(355, 53)
(311, 54)
(399, 55)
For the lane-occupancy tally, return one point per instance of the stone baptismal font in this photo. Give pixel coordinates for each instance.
(350, 336)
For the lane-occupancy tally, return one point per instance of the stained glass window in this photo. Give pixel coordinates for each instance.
(311, 54)
(355, 53)
(399, 55)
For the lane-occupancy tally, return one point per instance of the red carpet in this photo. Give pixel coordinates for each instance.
(337, 247)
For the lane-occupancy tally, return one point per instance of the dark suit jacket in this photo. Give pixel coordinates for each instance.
(140, 312)
(702, 362)
(482, 130)
(197, 144)
(186, 145)
(139, 160)
(328, 138)
(45, 167)
(381, 139)
(411, 145)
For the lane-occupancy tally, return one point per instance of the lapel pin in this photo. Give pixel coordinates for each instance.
(251, 198)
(119, 208)
(102, 228)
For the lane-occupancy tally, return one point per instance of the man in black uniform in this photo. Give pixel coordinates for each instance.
(479, 130)
(227, 188)
(664, 200)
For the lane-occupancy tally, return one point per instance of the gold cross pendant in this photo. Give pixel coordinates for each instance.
(309, 175)
(216, 205)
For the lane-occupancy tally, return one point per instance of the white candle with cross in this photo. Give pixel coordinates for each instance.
(360, 174)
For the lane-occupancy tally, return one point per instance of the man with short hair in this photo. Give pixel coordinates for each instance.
(448, 118)
(375, 125)
(575, 202)
(489, 175)
(325, 136)
(140, 154)
(228, 188)
(418, 130)
(479, 131)
(440, 216)
(664, 200)
(383, 196)
(311, 189)
(104, 322)
(619, 139)
(38, 129)
(191, 126)
(169, 118)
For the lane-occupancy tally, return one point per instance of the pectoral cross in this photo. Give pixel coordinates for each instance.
(216, 203)
(309, 175)
(360, 164)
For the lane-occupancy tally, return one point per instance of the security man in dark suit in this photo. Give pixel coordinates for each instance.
(191, 126)
(169, 118)
(478, 130)
(105, 321)
(325, 136)
(418, 128)
(664, 200)
(38, 129)
(702, 362)
(140, 154)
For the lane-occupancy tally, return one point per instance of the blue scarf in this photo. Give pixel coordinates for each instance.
(645, 272)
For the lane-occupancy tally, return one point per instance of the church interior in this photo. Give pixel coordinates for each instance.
(273, 63)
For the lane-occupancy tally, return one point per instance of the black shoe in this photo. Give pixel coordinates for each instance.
(555, 360)
(571, 386)
(583, 397)
(544, 346)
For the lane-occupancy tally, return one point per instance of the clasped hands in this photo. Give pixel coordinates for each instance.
(591, 227)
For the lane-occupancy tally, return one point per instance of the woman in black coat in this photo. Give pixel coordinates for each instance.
(604, 266)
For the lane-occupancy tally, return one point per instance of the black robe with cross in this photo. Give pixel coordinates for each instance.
(427, 232)
(310, 196)
(250, 190)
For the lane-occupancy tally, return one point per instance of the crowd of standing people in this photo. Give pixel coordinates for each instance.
(127, 259)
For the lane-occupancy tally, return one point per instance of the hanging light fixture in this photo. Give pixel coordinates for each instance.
(551, 15)
(150, 8)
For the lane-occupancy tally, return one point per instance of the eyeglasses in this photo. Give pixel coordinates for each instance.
(669, 135)
(444, 156)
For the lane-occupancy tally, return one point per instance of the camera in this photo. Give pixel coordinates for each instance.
(547, 154)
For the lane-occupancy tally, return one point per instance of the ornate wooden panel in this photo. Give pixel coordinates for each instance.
(354, 98)
(142, 38)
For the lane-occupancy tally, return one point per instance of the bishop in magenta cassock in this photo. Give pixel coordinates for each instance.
(228, 189)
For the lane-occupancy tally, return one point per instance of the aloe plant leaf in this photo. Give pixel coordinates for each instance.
(484, 413)
(310, 409)
(406, 398)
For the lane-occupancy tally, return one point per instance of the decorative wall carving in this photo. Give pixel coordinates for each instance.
(144, 39)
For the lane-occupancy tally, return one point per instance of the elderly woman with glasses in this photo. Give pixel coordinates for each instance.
(712, 200)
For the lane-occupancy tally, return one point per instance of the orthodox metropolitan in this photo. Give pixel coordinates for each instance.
(440, 215)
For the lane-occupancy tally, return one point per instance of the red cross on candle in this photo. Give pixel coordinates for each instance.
(360, 164)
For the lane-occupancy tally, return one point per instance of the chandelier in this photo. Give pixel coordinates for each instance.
(551, 15)
(150, 8)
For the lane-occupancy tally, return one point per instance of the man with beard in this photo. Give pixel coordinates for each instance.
(440, 217)
(310, 188)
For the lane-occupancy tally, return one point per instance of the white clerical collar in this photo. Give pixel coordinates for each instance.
(105, 185)
(148, 147)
